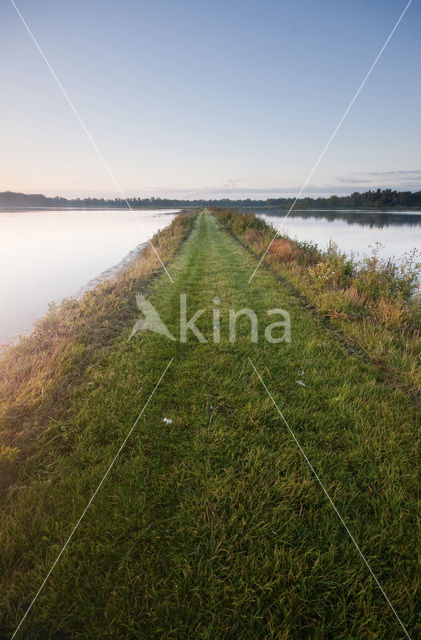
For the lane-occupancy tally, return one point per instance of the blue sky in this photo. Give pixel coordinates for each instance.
(203, 98)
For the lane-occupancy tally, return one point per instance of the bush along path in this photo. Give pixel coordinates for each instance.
(211, 524)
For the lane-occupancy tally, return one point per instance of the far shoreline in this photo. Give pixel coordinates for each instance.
(376, 199)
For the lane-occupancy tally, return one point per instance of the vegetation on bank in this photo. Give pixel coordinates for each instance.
(375, 302)
(210, 525)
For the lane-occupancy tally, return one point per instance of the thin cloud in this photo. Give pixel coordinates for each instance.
(372, 177)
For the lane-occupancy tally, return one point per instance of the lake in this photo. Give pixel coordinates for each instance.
(48, 255)
(353, 231)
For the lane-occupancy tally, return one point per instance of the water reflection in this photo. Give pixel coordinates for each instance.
(378, 219)
(353, 231)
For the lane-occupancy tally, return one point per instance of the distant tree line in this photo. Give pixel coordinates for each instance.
(376, 199)
(36, 200)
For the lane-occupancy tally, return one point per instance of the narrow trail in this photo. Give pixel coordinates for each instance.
(212, 526)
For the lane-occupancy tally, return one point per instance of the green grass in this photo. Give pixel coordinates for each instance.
(213, 526)
(375, 304)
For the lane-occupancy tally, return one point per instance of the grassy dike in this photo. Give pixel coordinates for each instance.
(374, 305)
(213, 526)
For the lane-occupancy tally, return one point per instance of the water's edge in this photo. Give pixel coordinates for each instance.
(108, 274)
(111, 272)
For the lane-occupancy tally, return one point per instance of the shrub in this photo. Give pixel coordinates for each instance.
(381, 278)
(334, 270)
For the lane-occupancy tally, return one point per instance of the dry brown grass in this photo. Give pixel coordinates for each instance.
(355, 297)
(284, 250)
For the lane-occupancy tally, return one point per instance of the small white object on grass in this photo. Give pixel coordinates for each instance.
(301, 383)
(167, 420)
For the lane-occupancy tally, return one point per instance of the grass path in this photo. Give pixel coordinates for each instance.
(213, 526)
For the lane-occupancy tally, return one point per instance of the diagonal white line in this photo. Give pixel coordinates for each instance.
(314, 472)
(86, 130)
(91, 499)
(335, 131)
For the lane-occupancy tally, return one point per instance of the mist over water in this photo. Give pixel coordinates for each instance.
(49, 255)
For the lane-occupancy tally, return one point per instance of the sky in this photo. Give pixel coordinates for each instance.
(200, 98)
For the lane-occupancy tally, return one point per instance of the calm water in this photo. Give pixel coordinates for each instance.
(50, 255)
(353, 231)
